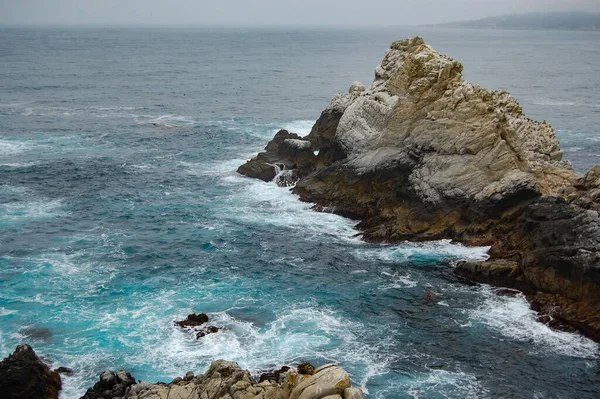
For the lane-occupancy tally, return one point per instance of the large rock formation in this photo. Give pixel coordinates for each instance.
(226, 380)
(24, 375)
(422, 154)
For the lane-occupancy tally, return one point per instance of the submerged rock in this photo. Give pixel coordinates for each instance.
(422, 154)
(24, 375)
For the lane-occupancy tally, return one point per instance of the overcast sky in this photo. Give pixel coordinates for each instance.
(271, 12)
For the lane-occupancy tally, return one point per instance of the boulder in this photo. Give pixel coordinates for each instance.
(24, 375)
(327, 380)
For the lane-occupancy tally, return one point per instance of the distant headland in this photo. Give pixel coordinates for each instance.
(575, 21)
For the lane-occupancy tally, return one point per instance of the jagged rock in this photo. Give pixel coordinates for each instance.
(110, 385)
(423, 154)
(24, 375)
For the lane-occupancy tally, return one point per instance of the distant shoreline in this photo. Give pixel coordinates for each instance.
(556, 21)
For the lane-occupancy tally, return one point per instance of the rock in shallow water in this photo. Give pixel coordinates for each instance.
(193, 320)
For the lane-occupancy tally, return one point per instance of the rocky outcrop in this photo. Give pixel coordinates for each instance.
(226, 380)
(111, 385)
(24, 375)
(196, 324)
(423, 154)
(286, 152)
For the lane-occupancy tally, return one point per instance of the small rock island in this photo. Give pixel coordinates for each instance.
(423, 155)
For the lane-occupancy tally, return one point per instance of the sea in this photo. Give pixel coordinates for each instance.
(121, 212)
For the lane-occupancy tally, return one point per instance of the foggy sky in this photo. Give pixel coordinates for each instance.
(271, 12)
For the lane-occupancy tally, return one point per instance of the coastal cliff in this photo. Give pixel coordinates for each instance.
(423, 154)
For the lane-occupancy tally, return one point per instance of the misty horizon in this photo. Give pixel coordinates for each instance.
(334, 13)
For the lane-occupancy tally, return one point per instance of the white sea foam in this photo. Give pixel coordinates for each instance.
(295, 335)
(394, 280)
(167, 121)
(256, 202)
(300, 127)
(454, 384)
(511, 317)
(409, 250)
(36, 209)
(555, 103)
(10, 147)
(6, 312)
(18, 165)
(262, 203)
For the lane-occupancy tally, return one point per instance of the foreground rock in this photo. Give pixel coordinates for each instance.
(422, 154)
(226, 380)
(24, 375)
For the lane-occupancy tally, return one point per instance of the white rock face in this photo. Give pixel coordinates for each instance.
(298, 144)
(464, 141)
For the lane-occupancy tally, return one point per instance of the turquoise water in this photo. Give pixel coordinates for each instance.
(121, 212)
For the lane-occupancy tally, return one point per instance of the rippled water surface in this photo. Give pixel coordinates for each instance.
(120, 212)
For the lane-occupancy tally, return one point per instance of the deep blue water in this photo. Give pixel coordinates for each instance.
(120, 212)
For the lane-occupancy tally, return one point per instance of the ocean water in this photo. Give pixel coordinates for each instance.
(121, 212)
